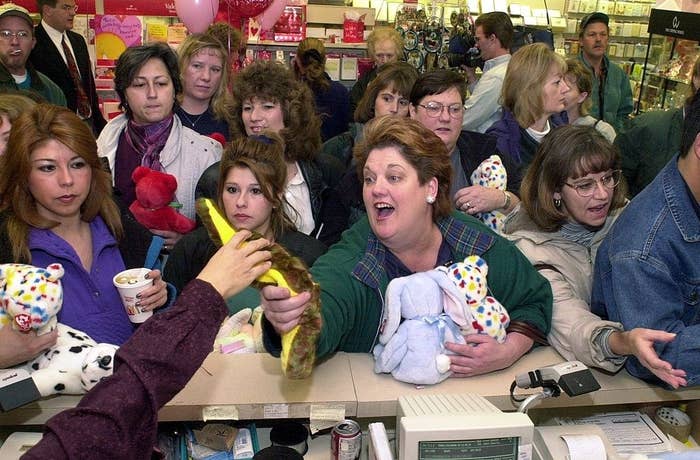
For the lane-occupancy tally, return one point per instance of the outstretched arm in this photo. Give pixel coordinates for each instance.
(119, 417)
(658, 303)
(640, 343)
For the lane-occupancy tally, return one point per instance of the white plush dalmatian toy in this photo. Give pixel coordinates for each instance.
(73, 366)
(30, 298)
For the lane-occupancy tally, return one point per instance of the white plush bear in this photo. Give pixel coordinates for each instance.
(433, 310)
(491, 173)
(30, 298)
(437, 306)
(487, 315)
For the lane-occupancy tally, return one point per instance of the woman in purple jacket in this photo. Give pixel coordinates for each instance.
(118, 418)
(56, 206)
(533, 99)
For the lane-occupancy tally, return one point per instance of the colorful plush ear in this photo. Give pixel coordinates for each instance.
(298, 345)
(55, 272)
(454, 303)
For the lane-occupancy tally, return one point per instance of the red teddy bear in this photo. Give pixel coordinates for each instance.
(155, 191)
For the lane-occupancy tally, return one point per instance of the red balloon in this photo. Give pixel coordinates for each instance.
(249, 8)
(232, 19)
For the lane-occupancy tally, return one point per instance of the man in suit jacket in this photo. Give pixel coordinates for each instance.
(49, 58)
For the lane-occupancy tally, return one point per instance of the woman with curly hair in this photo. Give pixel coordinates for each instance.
(267, 97)
(203, 69)
(331, 97)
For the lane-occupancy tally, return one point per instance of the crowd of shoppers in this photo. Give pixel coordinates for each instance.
(364, 186)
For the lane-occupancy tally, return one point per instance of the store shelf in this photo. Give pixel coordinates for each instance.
(328, 45)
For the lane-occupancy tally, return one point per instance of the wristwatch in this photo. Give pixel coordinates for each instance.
(506, 200)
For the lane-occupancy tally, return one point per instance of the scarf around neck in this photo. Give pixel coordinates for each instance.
(149, 140)
(578, 233)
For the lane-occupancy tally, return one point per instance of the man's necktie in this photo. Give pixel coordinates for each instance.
(82, 102)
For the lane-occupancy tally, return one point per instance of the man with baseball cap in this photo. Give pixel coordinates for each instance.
(612, 93)
(16, 42)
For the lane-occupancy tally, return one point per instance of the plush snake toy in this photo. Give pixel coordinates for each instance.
(299, 344)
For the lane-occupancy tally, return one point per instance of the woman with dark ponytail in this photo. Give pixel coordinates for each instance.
(331, 97)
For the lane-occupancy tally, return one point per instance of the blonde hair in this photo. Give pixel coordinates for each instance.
(525, 79)
(583, 79)
(13, 105)
(190, 47)
(380, 34)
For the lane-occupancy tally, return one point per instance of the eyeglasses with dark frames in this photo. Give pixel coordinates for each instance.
(586, 187)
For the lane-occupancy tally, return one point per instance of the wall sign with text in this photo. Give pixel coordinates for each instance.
(140, 7)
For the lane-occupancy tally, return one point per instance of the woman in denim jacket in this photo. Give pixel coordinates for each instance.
(571, 196)
(647, 273)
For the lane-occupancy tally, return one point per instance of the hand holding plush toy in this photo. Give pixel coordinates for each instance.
(298, 354)
(485, 314)
(241, 333)
(155, 192)
(30, 298)
(413, 349)
(437, 306)
(491, 173)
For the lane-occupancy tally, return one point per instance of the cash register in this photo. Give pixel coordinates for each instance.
(468, 426)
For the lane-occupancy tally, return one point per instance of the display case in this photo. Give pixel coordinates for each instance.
(665, 80)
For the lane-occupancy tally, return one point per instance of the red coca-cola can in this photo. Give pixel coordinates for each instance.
(346, 441)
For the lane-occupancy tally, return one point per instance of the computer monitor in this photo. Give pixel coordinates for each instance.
(440, 427)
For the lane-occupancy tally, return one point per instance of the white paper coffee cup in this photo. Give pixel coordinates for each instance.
(129, 283)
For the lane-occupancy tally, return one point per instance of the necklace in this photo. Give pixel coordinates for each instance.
(189, 120)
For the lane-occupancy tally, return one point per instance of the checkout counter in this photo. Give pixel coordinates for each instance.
(252, 387)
